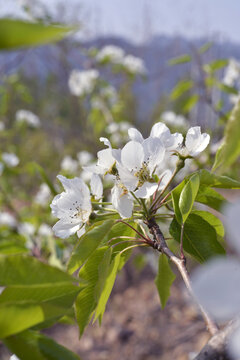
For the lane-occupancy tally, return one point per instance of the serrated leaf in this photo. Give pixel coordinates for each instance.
(200, 238)
(85, 303)
(210, 197)
(187, 196)
(164, 279)
(18, 33)
(107, 275)
(230, 149)
(30, 345)
(180, 60)
(181, 87)
(88, 243)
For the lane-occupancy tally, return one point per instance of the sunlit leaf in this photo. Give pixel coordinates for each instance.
(180, 60)
(188, 195)
(164, 279)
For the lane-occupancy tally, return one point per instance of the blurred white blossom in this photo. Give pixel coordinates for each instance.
(26, 116)
(172, 119)
(111, 53)
(43, 195)
(69, 164)
(84, 157)
(2, 126)
(231, 73)
(45, 230)
(26, 229)
(82, 82)
(134, 65)
(10, 159)
(7, 219)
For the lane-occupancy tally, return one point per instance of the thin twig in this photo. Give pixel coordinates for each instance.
(160, 244)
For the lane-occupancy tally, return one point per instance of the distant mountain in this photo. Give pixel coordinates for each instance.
(60, 58)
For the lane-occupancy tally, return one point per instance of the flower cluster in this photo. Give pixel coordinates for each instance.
(136, 170)
(82, 82)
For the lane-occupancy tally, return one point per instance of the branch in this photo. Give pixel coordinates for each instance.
(216, 348)
(160, 244)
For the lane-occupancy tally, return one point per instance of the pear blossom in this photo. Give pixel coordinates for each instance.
(26, 229)
(14, 357)
(45, 230)
(195, 141)
(134, 65)
(43, 195)
(10, 159)
(2, 126)
(7, 219)
(82, 82)
(111, 53)
(232, 72)
(172, 119)
(84, 157)
(121, 200)
(69, 164)
(28, 117)
(72, 207)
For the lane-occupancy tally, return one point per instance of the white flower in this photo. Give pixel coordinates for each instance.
(43, 195)
(14, 357)
(137, 164)
(72, 207)
(234, 99)
(45, 230)
(232, 72)
(84, 157)
(134, 65)
(170, 118)
(2, 126)
(10, 159)
(26, 229)
(96, 186)
(69, 164)
(7, 219)
(82, 82)
(216, 285)
(195, 141)
(162, 132)
(232, 213)
(111, 53)
(26, 116)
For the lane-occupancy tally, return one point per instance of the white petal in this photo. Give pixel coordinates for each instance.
(147, 190)
(81, 231)
(121, 202)
(76, 184)
(154, 152)
(132, 155)
(195, 141)
(174, 142)
(165, 177)
(106, 142)
(127, 178)
(159, 129)
(105, 159)
(96, 186)
(135, 135)
(116, 153)
(64, 229)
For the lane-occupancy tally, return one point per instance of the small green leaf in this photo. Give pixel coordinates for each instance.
(89, 242)
(181, 87)
(18, 33)
(226, 88)
(189, 103)
(201, 233)
(86, 303)
(188, 195)
(210, 197)
(230, 149)
(164, 279)
(215, 65)
(180, 60)
(107, 275)
(205, 48)
(30, 345)
(217, 181)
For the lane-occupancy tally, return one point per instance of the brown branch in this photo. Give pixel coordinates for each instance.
(216, 348)
(160, 244)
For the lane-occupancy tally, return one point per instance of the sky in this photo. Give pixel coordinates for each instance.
(138, 20)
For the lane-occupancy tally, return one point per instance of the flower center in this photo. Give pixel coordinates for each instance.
(143, 174)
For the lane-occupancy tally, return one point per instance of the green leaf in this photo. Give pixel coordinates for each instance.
(164, 279)
(18, 33)
(230, 149)
(217, 181)
(210, 197)
(86, 303)
(34, 167)
(215, 65)
(181, 87)
(180, 60)
(89, 242)
(205, 47)
(187, 196)
(200, 238)
(30, 345)
(107, 274)
(35, 293)
(189, 103)
(227, 89)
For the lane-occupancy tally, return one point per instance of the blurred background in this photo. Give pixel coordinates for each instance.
(129, 64)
